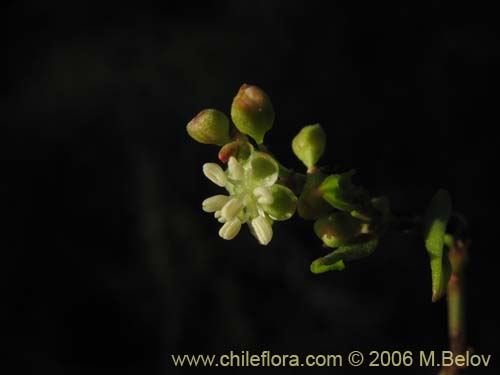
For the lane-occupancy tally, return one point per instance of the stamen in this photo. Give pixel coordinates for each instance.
(262, 230)
(231, 208)
(236, 171)
(263, 195)
(214, 203)
(215, 174)
(230, 229)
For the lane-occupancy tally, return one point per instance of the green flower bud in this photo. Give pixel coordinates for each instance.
(210, 126)
(252, 112)
(337, 229)
(436, 219)
(309, 144)
(283, 205)
(311, 204)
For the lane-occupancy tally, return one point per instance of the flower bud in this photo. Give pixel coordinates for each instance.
(309, 144)
(252, 112)
(337, 229)
(210, 126)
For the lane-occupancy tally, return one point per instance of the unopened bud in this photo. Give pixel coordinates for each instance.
(210, 126)
(252, 112)
(309, 144)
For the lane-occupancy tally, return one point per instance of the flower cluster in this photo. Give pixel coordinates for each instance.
(261, 191)
(254, 197)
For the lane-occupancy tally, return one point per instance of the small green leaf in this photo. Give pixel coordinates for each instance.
(318, 267)
(345, 253)
(440, 273)
(338, 190)
(435, 222)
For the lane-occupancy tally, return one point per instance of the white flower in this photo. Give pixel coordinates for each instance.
(250, 196)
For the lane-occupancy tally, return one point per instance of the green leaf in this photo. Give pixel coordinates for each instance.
(338, 190)
(318, 267)
(343, 254)
(436, 219)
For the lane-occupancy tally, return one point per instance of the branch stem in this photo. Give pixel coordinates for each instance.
(456, 302)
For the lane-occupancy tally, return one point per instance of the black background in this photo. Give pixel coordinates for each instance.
(109, 263)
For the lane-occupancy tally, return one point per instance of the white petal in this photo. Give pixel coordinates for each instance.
(263, 195)
(230, 229)
(215, 174)
(235, 169)
(214, 203)
(262, 230)
(231, 209)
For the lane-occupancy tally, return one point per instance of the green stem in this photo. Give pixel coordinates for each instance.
(456, 315)
(456, 302)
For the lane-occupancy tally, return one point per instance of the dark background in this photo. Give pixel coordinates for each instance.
(109, 263)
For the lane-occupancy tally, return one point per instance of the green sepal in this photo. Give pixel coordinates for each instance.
(264, 169)
(241, 149)
(436, 219)
(347, 253)
(284, 203)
